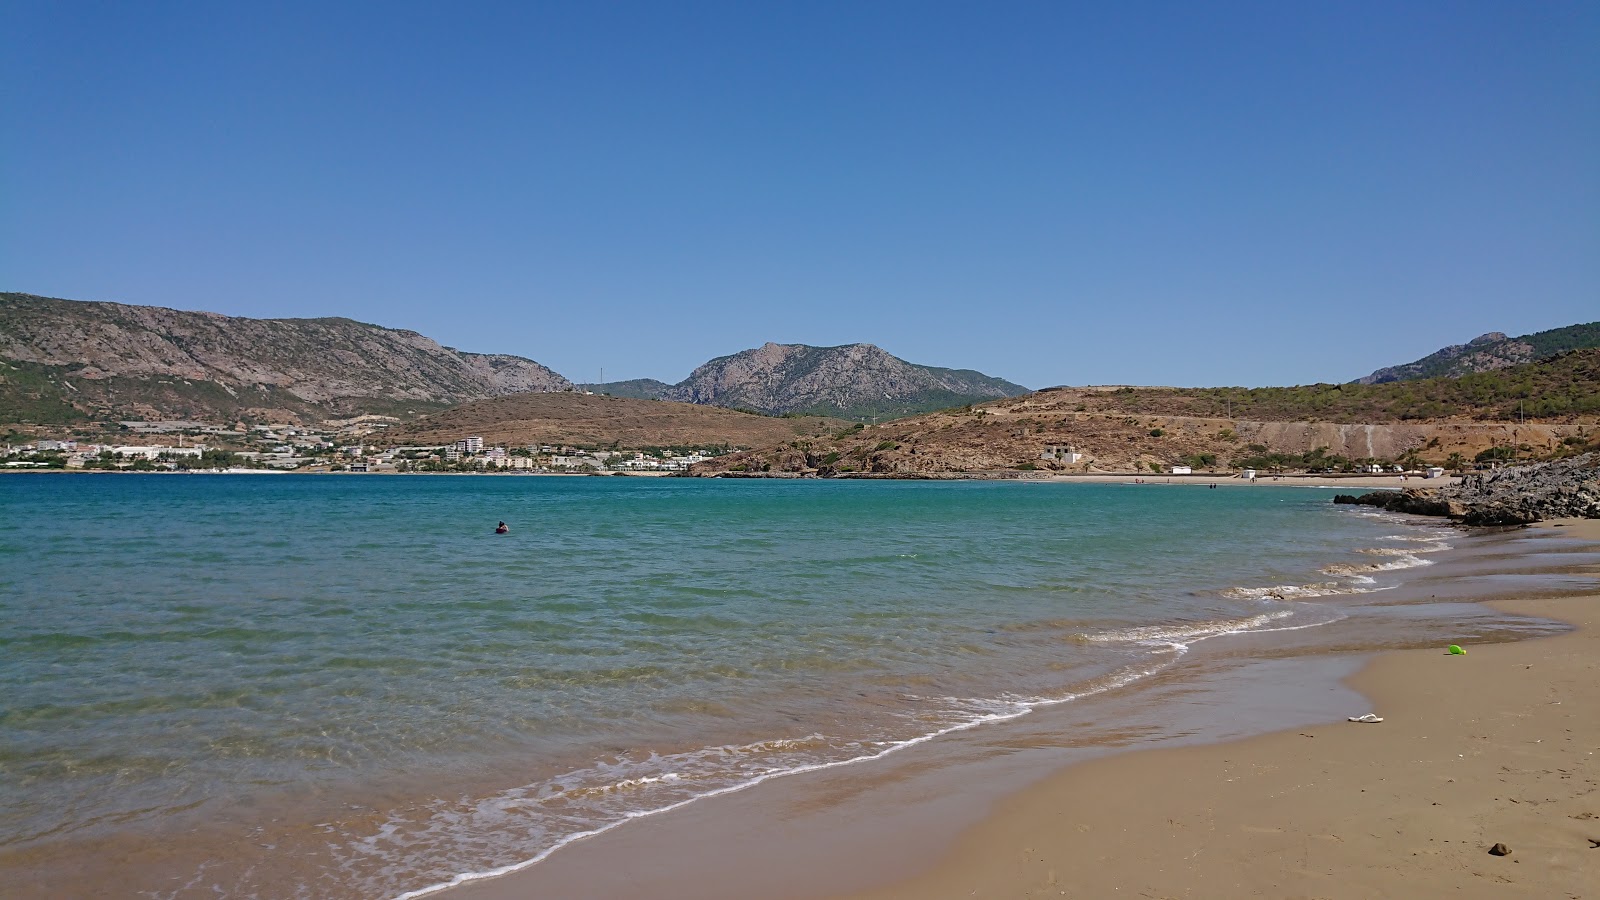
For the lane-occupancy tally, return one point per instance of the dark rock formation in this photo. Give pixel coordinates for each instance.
(1518, 495)
(1417, 501)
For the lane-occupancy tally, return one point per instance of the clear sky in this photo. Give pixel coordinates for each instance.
(1154, 193)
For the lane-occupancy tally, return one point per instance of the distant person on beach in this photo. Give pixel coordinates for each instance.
(502, 528)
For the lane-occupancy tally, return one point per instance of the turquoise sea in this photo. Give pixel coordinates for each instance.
(360, 685)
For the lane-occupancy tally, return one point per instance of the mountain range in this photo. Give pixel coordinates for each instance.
(854, 381)
(1488, 352)
(64, 361)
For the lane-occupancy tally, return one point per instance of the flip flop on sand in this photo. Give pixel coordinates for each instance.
(1368, 718)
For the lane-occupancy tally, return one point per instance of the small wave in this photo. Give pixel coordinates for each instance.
(1429, 538)
(685, 778)
(1288, 591)
(1363, 570)
(1405, 551)
(1178, 637)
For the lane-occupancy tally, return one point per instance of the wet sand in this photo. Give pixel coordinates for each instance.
(1495, 746)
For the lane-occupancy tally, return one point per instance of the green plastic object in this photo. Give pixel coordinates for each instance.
(1455, 650)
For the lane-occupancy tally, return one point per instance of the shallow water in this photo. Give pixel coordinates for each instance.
(356, 675)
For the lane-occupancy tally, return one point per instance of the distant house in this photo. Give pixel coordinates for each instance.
(470, 445)
(1182, 470)
(1435, 472)
(1061, 453)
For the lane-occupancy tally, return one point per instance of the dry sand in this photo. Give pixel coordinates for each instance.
(1497, 746)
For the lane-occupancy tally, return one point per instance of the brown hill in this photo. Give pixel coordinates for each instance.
(1140, 429)
(596, 421)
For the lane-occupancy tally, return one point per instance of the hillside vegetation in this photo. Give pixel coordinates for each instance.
(1441, 421)
(1565, 385)
(1491, 351)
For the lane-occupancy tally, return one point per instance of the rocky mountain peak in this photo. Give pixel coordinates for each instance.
(855, 380)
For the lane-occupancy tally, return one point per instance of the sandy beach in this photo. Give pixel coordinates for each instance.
(1496, 746)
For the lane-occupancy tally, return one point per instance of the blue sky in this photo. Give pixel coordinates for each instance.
(1152, 193)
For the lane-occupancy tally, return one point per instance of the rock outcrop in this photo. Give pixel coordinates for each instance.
(1417, 501)
(1518, 495)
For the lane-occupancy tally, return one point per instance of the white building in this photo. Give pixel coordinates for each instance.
(1182, 470)
(470, 445)
(1435, 472)
(156, 452)
(1061, 453)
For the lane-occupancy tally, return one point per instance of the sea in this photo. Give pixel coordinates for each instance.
(350, 686)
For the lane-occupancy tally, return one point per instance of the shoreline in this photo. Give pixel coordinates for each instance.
(1099, 819)
(1392, 482)
(1495, 747)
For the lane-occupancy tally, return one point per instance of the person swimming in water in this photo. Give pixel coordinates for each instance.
(502, 528)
